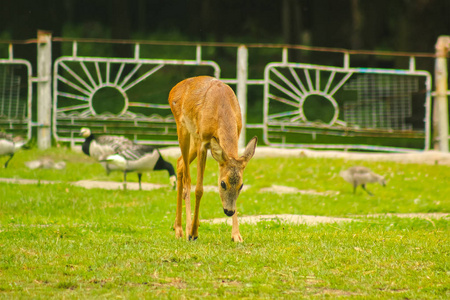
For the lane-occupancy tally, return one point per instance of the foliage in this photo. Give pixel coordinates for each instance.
(59, 240)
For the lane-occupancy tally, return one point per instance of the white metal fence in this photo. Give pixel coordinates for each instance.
(345, 102)
(302, 105)
(15, 95)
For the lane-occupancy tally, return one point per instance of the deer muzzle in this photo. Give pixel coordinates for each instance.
(229, 212)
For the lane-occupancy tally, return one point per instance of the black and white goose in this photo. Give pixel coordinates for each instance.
(9, 145)
(359, 175)
(140, 159)
(100, 147)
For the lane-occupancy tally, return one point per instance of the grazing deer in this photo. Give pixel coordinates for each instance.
(208, 116)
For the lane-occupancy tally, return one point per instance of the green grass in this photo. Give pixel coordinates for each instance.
(62, 241)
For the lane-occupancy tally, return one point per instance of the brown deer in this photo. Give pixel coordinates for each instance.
(208, 116)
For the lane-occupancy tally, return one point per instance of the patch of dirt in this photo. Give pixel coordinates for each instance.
(281, 189)
(285, 218)
(314, 220)
(411, 215)
(113, 185)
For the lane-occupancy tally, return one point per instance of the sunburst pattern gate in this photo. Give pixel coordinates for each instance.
(106, 95)
(347, 103)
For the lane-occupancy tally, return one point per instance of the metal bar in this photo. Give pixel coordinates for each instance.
(298, 81)
(88, 74)
(283, 100)
(74, 107)
(137, 50)
(99, 73)
(198, 54)
(128, 77)
(149, 105)
(10, 52)
(330, 80)
(317, 80)
(78, 78)
(108, 70)
(287, 82)
(284, 55)
(284, 114)
(308, 79)
(412, 64)
(143, 77)
(73, 85)
(74, 48)
(119, 73)
(72, 96)
(339, 85)
(285, 91)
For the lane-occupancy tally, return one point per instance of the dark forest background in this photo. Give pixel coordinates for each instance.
(395, 25)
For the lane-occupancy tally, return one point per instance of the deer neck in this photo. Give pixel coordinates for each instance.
(228, 139)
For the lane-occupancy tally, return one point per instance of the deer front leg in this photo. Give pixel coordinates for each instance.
(201, 162)
(235, 235)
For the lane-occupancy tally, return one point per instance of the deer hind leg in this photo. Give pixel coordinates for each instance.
(180, 180)
(201, 162)
(183, 183)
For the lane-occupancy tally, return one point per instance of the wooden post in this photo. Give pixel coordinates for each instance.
(241, 89)
(441, 99)
(44, 91)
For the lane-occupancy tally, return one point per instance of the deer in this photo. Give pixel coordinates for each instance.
(208, 117)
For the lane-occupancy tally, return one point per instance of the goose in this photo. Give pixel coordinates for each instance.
(359, 175)
(45, 163)
(102, 146)
(10, 145)
(140, 159)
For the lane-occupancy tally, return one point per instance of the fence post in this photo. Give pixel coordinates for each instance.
(441, 99)
(241, 89)
(44, 91)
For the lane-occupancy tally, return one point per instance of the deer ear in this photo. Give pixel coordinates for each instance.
(250, 149)
(217, 152)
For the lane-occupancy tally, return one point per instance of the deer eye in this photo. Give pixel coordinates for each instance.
(223, 185)
(242, 185)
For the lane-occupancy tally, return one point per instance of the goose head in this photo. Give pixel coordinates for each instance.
(85, 132)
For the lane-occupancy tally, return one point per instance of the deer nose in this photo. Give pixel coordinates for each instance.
(228, 212)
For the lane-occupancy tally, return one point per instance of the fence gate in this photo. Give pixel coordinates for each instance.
(108, 95)
(303, 103)
(16, 96)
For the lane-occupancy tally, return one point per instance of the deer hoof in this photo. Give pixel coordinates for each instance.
(191, 238)
(178, 232)
(237, 238)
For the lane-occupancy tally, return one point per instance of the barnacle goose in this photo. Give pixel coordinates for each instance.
(9, 145)
(359, 175)
(140, 159)
(102, 146)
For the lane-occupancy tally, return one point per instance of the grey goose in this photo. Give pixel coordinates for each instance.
(359, 176)
(140, 159)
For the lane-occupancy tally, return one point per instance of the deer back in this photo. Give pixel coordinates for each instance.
(207, 108)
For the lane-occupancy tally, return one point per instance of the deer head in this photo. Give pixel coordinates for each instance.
(231, 173)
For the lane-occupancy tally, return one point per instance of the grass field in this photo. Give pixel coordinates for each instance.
(62, 241)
